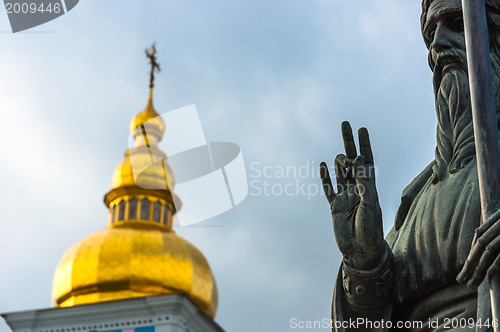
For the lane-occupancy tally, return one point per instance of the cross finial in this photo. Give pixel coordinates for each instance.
(155, 66)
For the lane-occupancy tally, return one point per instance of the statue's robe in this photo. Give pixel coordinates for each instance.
(430, 242)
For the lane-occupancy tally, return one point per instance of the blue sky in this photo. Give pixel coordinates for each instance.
(277, 78)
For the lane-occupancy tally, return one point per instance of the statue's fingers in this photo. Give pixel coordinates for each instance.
(495, 267)
(359, 161)
(350, 146)
(340, 176)
(474, 239)
(485, 226)
(477, 250)
(488, 233)
(492, 219)
(343, 172)
(485, 262)
(326, 182)
(364, 181)
(365, 147)
(470, 263)
(341, 225)
(343, 160)
(360, 170)
(495, 214)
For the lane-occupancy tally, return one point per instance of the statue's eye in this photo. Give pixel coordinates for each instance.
(457, 23)
(429, 34)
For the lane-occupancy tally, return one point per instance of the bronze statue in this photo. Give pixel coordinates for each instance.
(425, 274)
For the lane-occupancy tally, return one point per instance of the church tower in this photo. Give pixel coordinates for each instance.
(136, 275)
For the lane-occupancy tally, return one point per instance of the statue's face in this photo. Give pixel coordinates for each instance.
(444, 29)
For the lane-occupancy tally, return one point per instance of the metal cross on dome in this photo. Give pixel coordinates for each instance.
(155, 66)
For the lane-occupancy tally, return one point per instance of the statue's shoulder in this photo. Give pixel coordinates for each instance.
(410, 192)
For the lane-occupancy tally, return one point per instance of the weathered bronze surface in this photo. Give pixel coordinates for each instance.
(418, 274)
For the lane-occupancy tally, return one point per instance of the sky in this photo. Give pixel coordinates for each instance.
(275, 77)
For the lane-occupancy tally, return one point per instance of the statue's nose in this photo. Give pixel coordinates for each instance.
(442, 38)
(441, 41)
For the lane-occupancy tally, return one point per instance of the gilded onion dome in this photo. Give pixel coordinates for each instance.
(138, 254)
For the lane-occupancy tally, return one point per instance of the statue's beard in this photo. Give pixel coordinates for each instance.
(455, 134)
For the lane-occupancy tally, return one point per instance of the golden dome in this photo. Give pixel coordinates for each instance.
(138, 254)
(137, 169)
(144, 164)
(149, 117)
(133, 261)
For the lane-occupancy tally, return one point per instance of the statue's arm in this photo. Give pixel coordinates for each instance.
(368, 290)
(363, 287)
(363, 299)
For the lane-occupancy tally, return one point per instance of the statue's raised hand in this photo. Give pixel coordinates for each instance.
(356, 213)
